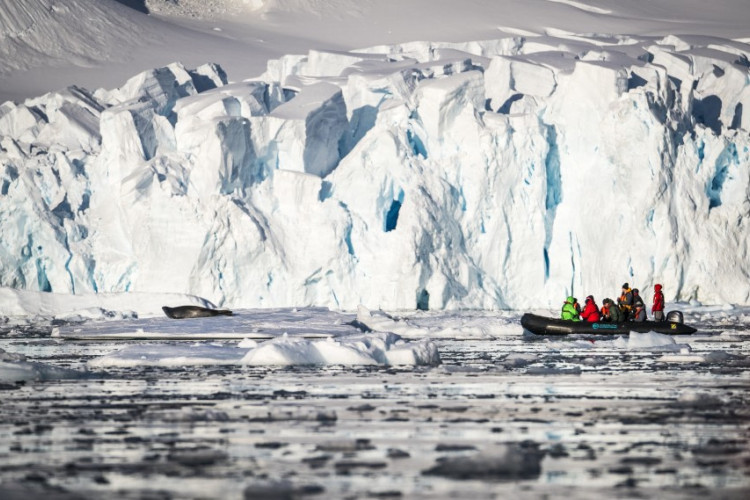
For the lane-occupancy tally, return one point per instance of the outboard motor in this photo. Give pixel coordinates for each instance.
(675, 317)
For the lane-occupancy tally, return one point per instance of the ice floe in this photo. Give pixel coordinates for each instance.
(362, 349)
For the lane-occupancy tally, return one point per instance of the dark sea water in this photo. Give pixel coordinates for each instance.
(517, 416)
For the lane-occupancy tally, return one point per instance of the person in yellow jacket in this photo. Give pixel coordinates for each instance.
(570, 311)
(625, 302)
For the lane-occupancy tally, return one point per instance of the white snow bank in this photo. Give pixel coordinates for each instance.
(24, 303)
(364, 349)
(257, 324)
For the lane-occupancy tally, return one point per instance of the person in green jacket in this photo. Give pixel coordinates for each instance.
(611, 313)
(570, 311)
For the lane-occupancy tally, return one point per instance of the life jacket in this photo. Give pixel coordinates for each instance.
(640, 313)
(626, 301)
(610, 312)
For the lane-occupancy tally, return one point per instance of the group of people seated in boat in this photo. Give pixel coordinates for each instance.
(629, 307)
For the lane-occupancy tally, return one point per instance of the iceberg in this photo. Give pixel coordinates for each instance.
(487, 175)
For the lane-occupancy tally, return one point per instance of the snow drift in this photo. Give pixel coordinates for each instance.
(493, 174)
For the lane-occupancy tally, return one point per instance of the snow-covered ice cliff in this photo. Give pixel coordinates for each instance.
(493, 174)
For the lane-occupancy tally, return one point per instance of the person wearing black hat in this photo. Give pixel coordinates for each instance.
(625, 302)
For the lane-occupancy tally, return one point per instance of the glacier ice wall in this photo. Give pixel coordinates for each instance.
(496, 174)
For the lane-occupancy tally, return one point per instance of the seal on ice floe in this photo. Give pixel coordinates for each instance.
(182, 312)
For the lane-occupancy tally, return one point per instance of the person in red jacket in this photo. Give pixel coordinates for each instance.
(657, 309)
(591, 310)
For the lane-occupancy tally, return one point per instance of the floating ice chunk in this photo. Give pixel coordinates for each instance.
(365, 349)
(682, 358)
(421, 352)
(170, 355)
(382, 322)
(718, 356)
(650, 339)
(650, 342)
(247, 344)
(285, 351)
(15, 368)
(517, 360)
(710, 357)
(359, 349)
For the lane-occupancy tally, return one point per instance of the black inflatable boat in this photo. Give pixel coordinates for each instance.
(542, 325)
